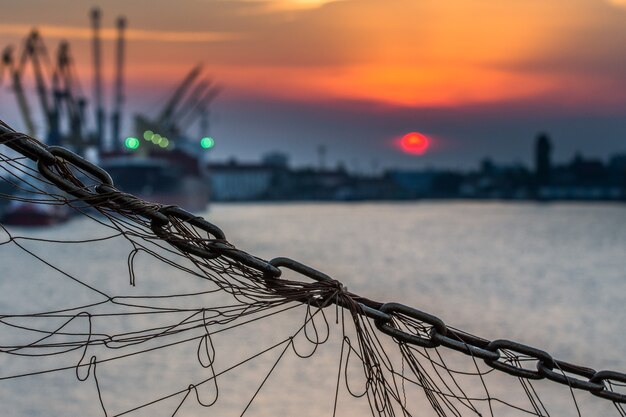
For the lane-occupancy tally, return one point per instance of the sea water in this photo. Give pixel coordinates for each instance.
(551, 276)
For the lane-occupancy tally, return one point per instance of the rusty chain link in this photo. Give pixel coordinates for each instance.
(403, 323)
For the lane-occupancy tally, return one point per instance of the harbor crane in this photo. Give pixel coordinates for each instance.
(166, 115)
(192, 101)
(36, 53)
(204, 110)
(8, 65)
(64, 97)
(63, 103)
(69, 98)
(179, 107)
(201, 111)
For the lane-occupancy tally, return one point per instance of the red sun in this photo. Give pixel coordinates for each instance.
(414, 143)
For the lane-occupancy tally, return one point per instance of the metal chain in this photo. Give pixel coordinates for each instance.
(405, 324)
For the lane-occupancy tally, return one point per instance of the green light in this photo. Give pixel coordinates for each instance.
(131, 143)
(147, 135)
(207, 142)
(164, 142)
(156, 138)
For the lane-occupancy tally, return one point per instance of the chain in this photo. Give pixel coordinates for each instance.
(405, 324)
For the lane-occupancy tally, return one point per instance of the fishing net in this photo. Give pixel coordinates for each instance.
(133, 308)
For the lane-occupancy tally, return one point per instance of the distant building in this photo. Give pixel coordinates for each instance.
(588, 171)
(496, 181)
(582, 179)
(273, 179)
(617, 170)
(276, 159)
(413, 184)
(234, 181)
(543, 159)
(312, 184)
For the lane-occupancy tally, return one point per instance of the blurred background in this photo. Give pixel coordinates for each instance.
(467, 158)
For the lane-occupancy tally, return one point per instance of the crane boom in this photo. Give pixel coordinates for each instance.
(68, 95)
(16, 81)
(192, 101)
(168, 111)
(34, 49)
(204, 109)
(201, 105)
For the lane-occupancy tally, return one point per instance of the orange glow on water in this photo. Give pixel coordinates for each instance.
(414, 143)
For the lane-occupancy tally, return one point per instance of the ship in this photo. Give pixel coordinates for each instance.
(168, 178)
(33, 206)
(161, 163)
(21, 212)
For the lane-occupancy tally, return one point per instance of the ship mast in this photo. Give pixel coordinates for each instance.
(97, 78)
(116, 121)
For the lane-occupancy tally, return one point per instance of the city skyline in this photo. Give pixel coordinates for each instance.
(353, 76)
(273, 179)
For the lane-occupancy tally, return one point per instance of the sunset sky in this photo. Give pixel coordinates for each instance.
(477, 77)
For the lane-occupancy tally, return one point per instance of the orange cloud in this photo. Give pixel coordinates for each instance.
(403, 52)
(426, 53)
(406, 86)
(294, 4)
